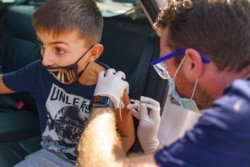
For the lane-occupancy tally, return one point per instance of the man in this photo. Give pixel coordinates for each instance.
(206, 42)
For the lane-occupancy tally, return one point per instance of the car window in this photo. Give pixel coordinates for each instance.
(111, 8)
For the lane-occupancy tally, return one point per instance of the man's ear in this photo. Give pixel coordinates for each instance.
(96, 52)
(193, 65)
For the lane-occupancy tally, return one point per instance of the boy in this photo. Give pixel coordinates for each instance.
(63, 81)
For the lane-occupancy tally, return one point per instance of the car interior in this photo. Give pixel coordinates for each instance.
(130, 44)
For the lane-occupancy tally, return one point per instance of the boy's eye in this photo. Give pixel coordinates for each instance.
(60, 51)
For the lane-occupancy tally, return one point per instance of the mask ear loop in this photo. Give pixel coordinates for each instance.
(80, 73)
(182, 61)
(194, 90)
(196, 81)
(195, 86)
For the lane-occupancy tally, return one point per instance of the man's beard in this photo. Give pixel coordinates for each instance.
(202, 97)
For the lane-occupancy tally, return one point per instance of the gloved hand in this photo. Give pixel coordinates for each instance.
(147, 110)
(112, 84)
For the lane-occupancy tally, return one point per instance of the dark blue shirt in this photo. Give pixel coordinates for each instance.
(221, 138)
(63, 109)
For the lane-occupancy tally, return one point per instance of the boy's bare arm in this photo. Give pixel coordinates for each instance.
(125, 124)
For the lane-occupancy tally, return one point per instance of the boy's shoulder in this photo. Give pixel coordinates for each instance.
(106, 66)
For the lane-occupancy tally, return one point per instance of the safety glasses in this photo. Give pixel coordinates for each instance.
(161, 67)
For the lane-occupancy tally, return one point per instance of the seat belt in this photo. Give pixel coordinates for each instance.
(143, 68)
(3, 38)
(143, 71)
(146, 74)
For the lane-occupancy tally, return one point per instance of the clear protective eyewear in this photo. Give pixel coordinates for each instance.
(161, 67)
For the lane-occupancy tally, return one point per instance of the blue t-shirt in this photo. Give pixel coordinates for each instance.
(63, 109)
(221, 138)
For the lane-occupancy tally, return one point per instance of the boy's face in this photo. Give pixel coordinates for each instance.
(63, 49)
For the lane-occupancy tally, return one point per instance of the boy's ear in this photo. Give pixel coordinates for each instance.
(193, 63)
(96, 52)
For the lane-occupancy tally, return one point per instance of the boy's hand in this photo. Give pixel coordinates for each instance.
(147, 110)
(112, 84)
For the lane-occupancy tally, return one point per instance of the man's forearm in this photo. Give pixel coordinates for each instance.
(100, 144)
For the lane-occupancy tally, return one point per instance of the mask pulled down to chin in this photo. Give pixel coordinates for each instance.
(178, 116)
